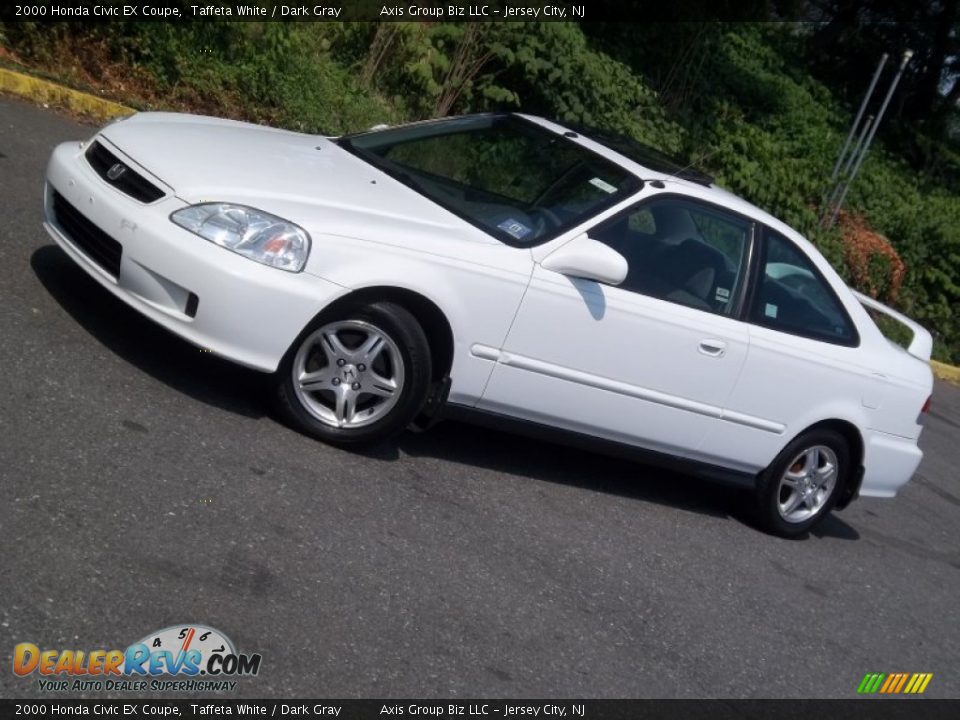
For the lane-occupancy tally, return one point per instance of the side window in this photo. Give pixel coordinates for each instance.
(681, 251)
(792, 296)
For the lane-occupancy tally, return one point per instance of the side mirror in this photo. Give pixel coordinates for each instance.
(586, 258)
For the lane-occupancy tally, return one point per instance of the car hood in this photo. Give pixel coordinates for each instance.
(307, 179)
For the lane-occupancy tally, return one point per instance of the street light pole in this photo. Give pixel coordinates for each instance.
(846, 166)
(856, 122)
(873, 131)
(856, 148)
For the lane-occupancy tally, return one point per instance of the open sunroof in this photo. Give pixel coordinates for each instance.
(646, 155)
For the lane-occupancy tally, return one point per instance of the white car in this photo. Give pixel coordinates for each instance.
(501, 266)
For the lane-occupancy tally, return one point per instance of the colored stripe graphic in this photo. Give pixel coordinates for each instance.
(894, 683)
(897, 684)
(870, 683)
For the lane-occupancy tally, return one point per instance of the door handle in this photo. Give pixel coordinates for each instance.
(712, 348)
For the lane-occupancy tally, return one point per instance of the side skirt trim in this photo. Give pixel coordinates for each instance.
(522, 362)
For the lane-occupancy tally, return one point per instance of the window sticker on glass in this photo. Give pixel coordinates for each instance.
(514, 228)
(723, 294)
(603, 185)
(770, 311)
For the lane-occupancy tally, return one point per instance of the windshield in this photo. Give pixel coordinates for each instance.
(515, 180)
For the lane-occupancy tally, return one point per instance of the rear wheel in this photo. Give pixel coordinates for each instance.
(357, 375)
(803, 483)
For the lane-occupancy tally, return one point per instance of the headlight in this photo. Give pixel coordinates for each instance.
(252, 233)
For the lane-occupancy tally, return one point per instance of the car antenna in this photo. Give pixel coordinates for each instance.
(708, 179)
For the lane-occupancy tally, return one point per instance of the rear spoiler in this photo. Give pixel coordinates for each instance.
(922, 344)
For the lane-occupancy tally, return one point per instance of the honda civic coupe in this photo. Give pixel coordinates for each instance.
(504, 268)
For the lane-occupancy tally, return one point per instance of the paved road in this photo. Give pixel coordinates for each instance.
(145, 484)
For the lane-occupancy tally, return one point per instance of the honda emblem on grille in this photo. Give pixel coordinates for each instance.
(116, 171)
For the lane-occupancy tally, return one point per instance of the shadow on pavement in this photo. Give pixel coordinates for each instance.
(543, 460)
(834, 527)
(230, 387)
(143, 343)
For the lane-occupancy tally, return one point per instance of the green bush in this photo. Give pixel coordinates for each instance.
(737, 99)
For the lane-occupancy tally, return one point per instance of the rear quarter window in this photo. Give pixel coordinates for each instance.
(792, 296)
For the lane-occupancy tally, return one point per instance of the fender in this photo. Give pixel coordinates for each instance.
(479, 292)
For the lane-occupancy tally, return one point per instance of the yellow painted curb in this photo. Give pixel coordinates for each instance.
(44, 91)
(946, 372)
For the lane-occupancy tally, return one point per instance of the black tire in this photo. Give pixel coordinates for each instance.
(772, 497)
(409, 347)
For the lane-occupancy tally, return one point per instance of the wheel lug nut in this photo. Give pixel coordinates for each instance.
(336, 381)
(341, 362)
(356, 386)
(361, 367)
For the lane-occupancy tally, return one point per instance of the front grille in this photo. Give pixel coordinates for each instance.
(126, 179)
(95, 243)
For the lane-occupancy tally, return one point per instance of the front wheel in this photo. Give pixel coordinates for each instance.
(803, 483)
(357, 375)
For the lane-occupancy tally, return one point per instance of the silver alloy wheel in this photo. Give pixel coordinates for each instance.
(348, 374)
(807, 484)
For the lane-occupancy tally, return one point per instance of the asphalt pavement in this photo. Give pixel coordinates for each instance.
(147, 484)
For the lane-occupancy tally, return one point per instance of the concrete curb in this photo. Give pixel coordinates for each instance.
(946, 372)
(44, 91)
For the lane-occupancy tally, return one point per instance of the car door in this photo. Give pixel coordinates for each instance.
(650, 362)
(803, 365)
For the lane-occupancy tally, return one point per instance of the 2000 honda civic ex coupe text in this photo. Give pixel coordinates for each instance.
(505, 267)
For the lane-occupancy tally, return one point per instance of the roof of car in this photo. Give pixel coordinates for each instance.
(698, 188)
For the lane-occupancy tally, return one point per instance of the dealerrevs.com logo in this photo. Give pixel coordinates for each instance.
(179, 658)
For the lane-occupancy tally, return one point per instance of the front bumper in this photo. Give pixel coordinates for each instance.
(244, 311)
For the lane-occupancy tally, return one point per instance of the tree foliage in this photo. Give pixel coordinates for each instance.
(764, 107)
